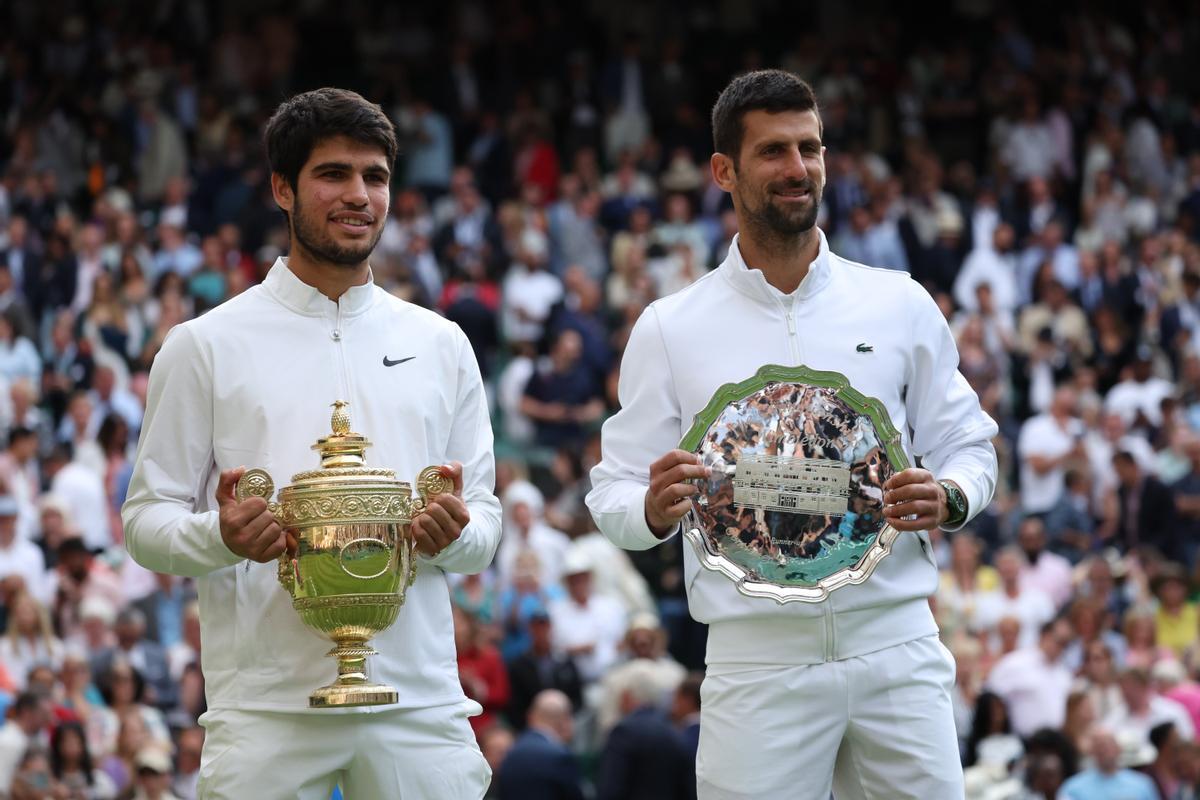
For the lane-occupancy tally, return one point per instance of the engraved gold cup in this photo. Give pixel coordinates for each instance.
(355, 556)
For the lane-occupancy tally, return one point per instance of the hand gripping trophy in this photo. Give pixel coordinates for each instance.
(355, 554)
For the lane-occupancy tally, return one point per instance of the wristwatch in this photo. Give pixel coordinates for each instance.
(956, 502)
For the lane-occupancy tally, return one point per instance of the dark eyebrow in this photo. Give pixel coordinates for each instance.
(811, 141)
(345, 167)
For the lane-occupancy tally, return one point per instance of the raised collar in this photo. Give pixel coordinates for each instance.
(297, 295)
(752, 282)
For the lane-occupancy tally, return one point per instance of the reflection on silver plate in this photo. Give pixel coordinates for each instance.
(794, 506)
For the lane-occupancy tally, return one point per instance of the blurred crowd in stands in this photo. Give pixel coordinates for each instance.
(1036, 168)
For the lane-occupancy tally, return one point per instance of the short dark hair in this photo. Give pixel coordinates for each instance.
(689, 687)
(18, 433)
(28, 700)
(302, 122)
(770, 90)
(1159, 734)
(71, 546)
(1124, 457)
(107, 678)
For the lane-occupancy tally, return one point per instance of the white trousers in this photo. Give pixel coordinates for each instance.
(877, 727)
(405, 754)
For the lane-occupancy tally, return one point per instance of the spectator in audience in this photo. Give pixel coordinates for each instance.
(1145, 510)
(1164, 769)
(1047, 572)
(30, 714)
(1172, 682)
(1143, 709)
(645, 758)
(30, 638)
(646, 659)
(71, 764)
(1107, 779)
(18, 555)
(1176, 621)
(142, 654)
(526, 531)
(1079, 720)
(1069, 524)
(481, 670)
(685, 711)
(587, 626)
(154, 770)
(562, 398)
(495, 745)
(1047, 444)
(1090, 622)
(540, 668)
(1016, 598)
(540, 765)
(1033, 682)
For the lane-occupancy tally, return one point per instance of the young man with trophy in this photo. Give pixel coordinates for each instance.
(783, 438)
(350, 552)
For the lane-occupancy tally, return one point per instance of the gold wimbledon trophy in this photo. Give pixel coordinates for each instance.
(355, 555)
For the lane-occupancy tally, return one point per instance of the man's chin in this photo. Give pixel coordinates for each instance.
(793, 224)
(343, 256)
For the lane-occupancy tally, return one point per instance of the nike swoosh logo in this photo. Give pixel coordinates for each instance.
(389, 363)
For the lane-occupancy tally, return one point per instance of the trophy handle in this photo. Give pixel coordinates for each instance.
(257, 483)
(430, 483)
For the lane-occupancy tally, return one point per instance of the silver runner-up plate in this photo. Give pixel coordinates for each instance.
(793, 508)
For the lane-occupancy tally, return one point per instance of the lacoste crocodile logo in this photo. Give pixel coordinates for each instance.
(863, 347)
(389, 363)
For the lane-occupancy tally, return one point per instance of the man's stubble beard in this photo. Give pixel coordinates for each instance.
(772, 221)
(322, 248)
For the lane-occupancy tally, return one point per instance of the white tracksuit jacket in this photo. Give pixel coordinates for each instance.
(250, 383)
(720, 330)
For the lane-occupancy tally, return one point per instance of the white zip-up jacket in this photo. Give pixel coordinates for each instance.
(720, 330)
(251, 384)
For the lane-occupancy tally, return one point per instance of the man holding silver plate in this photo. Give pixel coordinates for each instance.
(347, 553)
(781, 441)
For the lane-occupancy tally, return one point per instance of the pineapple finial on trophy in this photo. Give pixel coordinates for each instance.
(341, 418)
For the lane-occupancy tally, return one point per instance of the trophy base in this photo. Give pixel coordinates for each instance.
(345, 696)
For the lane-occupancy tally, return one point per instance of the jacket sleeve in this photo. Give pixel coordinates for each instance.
(470, 442)
(950, 432)
(164, 531)
(642, 431)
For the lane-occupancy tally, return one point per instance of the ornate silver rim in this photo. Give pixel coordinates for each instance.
(714, 560)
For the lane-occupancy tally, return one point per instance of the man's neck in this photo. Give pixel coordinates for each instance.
(784, 261)
(331, 280)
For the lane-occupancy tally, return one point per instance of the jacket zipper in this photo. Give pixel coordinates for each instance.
(340, 356)
(793, 336)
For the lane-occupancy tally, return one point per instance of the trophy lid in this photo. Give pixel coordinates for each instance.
(343, 490)
(343, 447)
(342, 455)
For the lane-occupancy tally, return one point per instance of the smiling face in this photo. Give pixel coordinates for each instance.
(778, 176)
(340, 203)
